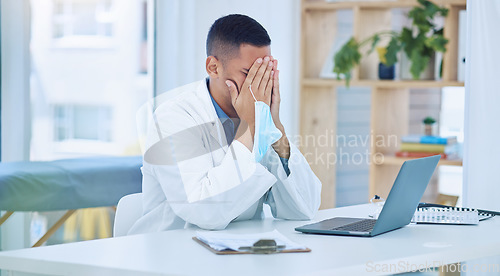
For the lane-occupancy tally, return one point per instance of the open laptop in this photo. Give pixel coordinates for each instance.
(398, 209)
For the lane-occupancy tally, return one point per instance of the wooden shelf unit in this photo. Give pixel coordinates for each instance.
(320, 82)
(390, 99)
(323, 6)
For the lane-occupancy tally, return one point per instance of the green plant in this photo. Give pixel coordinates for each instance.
(429, 121)
(349, 56)
(419, 43)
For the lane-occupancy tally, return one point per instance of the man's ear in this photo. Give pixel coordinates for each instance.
(213, 67)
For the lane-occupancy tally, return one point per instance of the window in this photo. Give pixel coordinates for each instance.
(82, 122)
(82, 18)
(84, 94)
(82, 101)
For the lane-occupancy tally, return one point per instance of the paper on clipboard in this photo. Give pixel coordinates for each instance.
(220, 241)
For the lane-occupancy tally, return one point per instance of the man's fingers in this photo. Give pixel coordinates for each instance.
(253, 70)
(260, 73)
(266, 78)
(269, 86)
(276, 76)
(233, 92)
(276, 82)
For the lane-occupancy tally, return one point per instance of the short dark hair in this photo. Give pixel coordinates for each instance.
(229, 32)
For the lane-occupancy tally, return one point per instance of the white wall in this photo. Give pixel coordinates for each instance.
(182, 31)
(482, 96)
(482, 112)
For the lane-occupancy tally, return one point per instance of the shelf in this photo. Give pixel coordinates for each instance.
(390, 100)
(392, 160)
(322, 6)
(381, 83)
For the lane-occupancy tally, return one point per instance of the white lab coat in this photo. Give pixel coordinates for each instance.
(205, 182)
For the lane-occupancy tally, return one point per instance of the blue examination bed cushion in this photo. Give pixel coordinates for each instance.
(68, 184)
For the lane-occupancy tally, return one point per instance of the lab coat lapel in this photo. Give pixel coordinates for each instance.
(215, 127)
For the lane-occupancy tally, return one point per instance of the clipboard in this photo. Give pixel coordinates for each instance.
(263, 248)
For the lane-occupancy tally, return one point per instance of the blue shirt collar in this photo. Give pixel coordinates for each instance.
(220, 113)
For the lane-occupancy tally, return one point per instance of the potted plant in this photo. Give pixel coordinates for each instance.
(419, 43)
(385, 72)
(428, 125)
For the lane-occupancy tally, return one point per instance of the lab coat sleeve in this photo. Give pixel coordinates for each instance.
(198, 189)
(296, 196)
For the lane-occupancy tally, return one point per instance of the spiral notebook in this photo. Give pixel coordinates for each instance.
(449, 215)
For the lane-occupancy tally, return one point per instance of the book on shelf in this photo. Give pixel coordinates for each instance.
(424, 139)
(432, 148)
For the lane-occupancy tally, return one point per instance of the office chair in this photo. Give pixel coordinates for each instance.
(128, 211)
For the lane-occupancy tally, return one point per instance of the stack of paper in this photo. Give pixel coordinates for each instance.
(222, 240)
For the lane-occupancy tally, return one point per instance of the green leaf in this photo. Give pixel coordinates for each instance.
(418, 64)
(441, 69)
(408, 41)
(429, 120)
(444, 12)
(391, 55)
(432, 9)
(376, 39)
(346, 59)
(420, 19)
(437, 43)
(347, 78)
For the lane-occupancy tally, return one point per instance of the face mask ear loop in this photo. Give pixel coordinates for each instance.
(250, 87)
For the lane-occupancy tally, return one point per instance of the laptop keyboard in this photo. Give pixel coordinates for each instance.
(365, 225)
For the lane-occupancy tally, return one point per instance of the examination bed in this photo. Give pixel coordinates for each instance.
(67, 185)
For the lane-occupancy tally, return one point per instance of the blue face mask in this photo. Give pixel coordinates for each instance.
(266, 132)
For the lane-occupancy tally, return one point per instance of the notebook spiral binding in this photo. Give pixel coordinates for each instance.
(449, 215)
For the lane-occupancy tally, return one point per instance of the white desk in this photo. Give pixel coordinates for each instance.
(175, 253)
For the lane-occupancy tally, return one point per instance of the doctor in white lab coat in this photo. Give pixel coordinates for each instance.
(199, 167)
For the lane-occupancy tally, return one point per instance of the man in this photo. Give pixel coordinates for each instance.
(201, 165)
